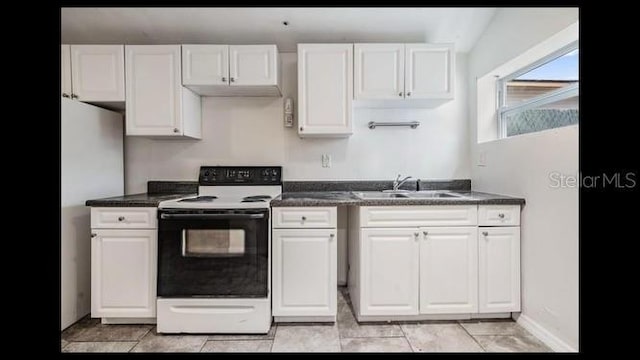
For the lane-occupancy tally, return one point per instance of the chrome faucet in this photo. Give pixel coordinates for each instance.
(397, 182)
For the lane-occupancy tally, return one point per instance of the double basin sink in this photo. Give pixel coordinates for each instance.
(405, 194)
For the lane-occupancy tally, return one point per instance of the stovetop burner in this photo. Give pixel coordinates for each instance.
(257, 197)
(200, 199)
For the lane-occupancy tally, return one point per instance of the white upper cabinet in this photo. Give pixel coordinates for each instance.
(157, 103)
(65, 71)
(448, 270)
(429, 71)
(325, 90)
(93, 73)
(379, 71)
(395, 72)
(231, 70)
(205, 64)
(97, 72)
(253, 65)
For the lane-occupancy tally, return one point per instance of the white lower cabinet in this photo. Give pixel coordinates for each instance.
(424, 262)
(499, 269)
(448, 270)
(124, 253)
(389, 276)
(304, 264)
(304, 272)
(123, 273)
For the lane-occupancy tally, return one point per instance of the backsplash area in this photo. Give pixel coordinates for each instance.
(250, 131)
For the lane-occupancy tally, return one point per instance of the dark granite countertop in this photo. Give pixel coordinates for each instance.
(336, 198)
(320, 193)
(135, 200)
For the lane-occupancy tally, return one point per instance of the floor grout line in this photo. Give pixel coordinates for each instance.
(275, 333)
(406, 338)
(472, 336)
(275, 325)
(203, 344)
(145, 334)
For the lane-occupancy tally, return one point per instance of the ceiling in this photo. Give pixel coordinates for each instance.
(461, 26)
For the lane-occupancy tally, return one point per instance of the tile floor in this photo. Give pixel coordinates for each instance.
(346, 335)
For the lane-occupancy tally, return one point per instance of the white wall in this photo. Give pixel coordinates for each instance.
(250, 131)
(91, 168)
(520, 166)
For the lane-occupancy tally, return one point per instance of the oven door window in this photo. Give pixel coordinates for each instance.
(218, 242)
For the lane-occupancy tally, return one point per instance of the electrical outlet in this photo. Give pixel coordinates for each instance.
(326, 160)
(482, 158)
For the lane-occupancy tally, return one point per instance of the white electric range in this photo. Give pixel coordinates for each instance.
(214, 253)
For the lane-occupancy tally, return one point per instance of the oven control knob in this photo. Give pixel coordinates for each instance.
(274, 172)
(206, 174)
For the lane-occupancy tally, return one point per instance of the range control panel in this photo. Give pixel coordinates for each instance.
(240, 175)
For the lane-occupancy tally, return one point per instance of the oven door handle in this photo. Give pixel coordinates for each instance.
(210, 216)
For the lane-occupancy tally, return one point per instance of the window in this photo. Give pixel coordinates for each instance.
(543, 95)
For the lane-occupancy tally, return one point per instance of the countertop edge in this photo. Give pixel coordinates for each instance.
(152, 200)
(394, 202)
(310, 203)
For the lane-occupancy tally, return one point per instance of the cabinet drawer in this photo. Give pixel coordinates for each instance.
(304, 217)
(124, 218)
(420, 215)
(499, 215)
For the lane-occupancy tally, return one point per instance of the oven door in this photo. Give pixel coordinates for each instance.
(213, 253)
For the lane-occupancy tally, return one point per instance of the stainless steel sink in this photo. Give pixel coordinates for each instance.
(378, 195)
(364, 195)
(434, 194)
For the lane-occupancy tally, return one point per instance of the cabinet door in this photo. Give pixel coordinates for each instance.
(389, 277)
(379, 71)
(98, 72)
(304, 272)
(448, 270)
(253, 65)
(325, 89)
(429, 71)
(65, 71)
(499, 267)
(153, 90)
(123, 273)
(205, 64)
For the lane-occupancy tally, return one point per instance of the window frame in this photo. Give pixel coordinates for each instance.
(502, 111)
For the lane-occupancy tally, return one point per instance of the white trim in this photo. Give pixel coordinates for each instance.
(306, 319)
(542, 61)
(543, 334)
(540, 100)
(115, 320)
(418, 317)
